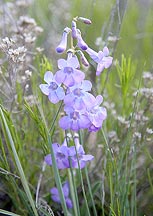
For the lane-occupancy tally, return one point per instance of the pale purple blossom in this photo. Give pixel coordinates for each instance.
(64, 154)
(78, 96)
(102, 58)
(96, 114)
(74, 120)
(66, 190)
(61, 155)
(63, 44)
(52, 89)
(69, 74)
(80, 157)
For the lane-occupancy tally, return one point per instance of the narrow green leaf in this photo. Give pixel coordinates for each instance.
(8, 213)
(18, 164)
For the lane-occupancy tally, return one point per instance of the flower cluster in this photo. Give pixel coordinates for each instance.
(82, 109)
(66, 157)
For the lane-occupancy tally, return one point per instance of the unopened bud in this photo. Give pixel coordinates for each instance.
(81, 42)
(84, 20)
(74, 30)
(63, 44)
(83, 59)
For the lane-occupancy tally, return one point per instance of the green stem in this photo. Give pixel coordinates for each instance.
(88, 181)
(90, 192)
(108, 152)
(57, 178)
(19, 166)
(82, 185)
(56, 115)
(8, 213)
(54, 164)
(73, 193)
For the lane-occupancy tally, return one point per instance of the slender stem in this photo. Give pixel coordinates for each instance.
(73, 193)
(82, 185)
(54, 164)
(53, 122)
(72, 183)
(108, 152)
(57, 178)
(90, 192)
(88, 181)
(8, 213)
(39, 183)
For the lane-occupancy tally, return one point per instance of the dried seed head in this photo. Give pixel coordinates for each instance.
(25, 20)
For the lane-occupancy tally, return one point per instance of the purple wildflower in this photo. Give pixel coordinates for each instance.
(64, 154)
(78, 97)
(81, 44)
(63, 44)
(52, 89)
(61, 155)
(82, 157)
(68, 74)
(74, 120)
(56, 198)
(102, 58)
(96, 114)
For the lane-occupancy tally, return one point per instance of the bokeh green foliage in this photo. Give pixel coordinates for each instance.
(132, 56)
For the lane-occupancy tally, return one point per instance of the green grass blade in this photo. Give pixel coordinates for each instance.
(18, 164)
(90, 192)
(8, 213)
(73, 193)
(57, 178)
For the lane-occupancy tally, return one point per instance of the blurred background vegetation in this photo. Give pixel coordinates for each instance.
(122, 177)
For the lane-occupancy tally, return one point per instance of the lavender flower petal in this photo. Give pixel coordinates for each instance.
(48, 77)
(62, 63)
(73, 62)
(60, 76)
(69, 203)
(65, 122)
(44, 88)
(56, 198)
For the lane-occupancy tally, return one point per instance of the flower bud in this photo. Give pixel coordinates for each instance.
(83, 59)
(81, 44)
(74, 30)
(85, 20)
(63, 44)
